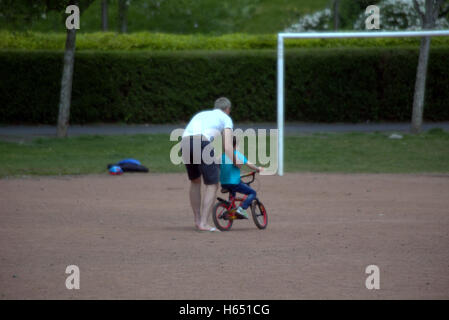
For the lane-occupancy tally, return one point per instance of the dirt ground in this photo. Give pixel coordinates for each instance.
(132, 237)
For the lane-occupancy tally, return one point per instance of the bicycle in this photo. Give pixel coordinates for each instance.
(224, 212)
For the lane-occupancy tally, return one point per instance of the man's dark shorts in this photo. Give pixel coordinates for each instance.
(196, 167)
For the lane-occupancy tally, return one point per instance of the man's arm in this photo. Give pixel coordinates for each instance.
(228, 149)
(245, 161)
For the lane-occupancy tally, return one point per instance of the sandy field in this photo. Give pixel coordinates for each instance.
(132, 237)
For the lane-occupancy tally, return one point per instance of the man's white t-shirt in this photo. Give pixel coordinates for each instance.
(209, 123)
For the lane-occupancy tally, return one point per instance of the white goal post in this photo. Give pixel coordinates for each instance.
(326, 35)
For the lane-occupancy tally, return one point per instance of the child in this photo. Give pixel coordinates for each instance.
(230, 179)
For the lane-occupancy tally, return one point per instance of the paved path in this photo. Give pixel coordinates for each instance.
(290, 128)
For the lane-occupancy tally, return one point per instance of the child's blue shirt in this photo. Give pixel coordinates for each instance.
(230, 174)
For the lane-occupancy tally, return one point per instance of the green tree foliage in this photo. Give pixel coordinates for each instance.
(176, 16)
(25, 14)
(351, 9)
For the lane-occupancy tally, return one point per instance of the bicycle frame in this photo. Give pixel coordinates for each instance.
(233, 200)
(230, 208)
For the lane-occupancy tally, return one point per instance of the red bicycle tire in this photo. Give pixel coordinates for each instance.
(218, 219)
(257, 210)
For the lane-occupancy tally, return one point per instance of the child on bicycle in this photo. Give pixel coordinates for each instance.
(230, 178)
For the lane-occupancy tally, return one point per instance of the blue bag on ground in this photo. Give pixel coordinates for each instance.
(134, 161)
(130, 165)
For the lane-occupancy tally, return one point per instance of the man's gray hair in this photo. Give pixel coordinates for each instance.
(222, 103)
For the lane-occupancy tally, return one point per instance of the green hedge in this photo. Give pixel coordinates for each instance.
(159, 41)
(157, 87)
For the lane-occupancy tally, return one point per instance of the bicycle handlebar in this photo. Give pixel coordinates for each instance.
(252, 173)
(248, 174)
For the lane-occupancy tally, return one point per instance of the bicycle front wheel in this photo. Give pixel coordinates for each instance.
(259, 214)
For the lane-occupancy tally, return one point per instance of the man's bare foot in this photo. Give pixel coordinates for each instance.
(206, 227)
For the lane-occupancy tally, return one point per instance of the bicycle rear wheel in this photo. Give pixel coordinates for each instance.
(221, 217)
(259, 214)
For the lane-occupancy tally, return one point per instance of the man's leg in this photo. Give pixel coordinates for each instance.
(211, 177)
(194, 175)
(208, 202)
(195, 200)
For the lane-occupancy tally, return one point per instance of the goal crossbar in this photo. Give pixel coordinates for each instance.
(326, 35)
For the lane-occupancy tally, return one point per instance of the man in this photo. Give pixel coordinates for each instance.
(202, 129)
